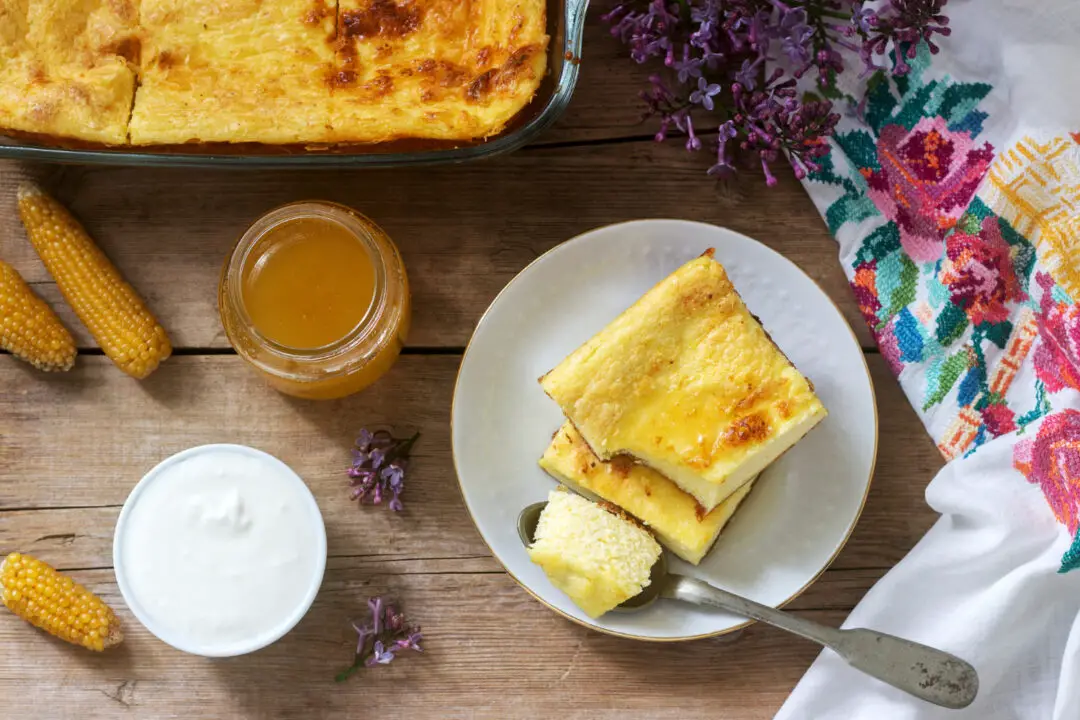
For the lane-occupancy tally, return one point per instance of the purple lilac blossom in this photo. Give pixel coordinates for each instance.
(714, 53)
(378, 468)
(381, 638)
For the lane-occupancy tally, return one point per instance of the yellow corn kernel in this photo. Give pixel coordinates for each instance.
(29, 329)
(40, 595)
(114, 314)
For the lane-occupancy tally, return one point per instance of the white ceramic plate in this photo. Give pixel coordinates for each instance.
(803, 507)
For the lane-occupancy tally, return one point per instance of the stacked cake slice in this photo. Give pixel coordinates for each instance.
(675, 407)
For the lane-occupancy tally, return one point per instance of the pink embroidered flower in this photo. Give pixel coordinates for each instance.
(864, 285)
(927, 178)
(999, 420)
(979, 273)
(1052, 460)
(1057, 356)
(890, 347)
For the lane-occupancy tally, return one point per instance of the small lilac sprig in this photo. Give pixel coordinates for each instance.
(381, 638)
(715, 53)
(378, 469)
(900, 25)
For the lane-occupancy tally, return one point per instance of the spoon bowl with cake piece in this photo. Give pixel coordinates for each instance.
(932, 675)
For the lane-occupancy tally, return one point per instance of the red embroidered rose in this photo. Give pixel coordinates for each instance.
(927, 178)
(999, 420)
(979, 273)
(1057, 356)
(1052, 461)
(864, 285)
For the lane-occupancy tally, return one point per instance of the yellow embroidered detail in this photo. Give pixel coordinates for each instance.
(1035, 186)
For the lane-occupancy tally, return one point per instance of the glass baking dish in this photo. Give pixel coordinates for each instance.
(566, 25)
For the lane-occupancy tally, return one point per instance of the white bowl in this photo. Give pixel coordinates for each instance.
(264, 636)
(801, 510)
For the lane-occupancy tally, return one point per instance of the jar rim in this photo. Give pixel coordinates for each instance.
(345, 217)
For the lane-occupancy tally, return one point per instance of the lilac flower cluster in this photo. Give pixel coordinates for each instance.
(379, 462)
(380, 640)
(715, 52)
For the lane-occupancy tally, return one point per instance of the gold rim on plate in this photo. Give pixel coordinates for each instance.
(645, 638)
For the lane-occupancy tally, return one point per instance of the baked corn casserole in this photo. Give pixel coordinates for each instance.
(168, 72)
(687, 382)
(597, 557)
(674, 516)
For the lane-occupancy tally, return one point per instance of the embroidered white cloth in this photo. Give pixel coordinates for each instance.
(954, 194)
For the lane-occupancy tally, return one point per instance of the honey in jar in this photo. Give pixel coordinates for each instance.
(315, 296)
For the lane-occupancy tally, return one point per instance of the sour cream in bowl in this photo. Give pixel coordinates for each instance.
(220, 550)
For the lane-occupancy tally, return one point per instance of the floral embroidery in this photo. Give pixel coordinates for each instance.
(1052, 460)
(865, 288)
(927, 177)
(941, 276)
(1057, 356)
(1035, 185)
(979, 273)
(999, 419)
(944, 274)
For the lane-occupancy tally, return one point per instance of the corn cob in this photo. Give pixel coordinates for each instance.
(37, 593)
(29, 329)
(109, 307)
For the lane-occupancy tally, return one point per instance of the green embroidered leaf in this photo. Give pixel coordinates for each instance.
(947, 376)
(1071, 559)
(990, 398)
(860, 149)
(903, 84)
(997, 333)
(880, 102)
(914, 107)
(879, 244)
(904, 294)
(827, 173)
(960, 99)
(978, 208)
(851, 207)
(951, 324)
(969, 224)
(936, 292)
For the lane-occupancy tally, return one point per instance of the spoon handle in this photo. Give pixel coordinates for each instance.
(922, 671)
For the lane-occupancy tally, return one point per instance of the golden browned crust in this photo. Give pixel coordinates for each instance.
(687, 382)
(288, 72)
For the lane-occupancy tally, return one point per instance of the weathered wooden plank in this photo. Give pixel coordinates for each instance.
(491, 652)
(83, 439)
(606, 103)
(464, 231)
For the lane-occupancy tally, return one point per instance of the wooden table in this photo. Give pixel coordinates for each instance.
(72, 446)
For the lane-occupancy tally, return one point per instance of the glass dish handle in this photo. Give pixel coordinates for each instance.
(573, 36)
(575, 26)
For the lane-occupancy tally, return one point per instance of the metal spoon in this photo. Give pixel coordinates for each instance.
(922, 671)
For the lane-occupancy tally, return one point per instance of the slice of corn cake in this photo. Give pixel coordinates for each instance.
(598, 558)
(440, 69)
(675, 516)
(234, 71)
(687, 382)
(67, 68)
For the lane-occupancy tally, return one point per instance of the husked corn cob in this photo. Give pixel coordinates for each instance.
(29, 329)
(114, 314)
(37, 593)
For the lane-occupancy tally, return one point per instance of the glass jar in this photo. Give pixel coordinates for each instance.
(345, 365)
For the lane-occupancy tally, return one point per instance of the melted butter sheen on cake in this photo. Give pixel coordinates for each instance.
(281, 72)
(687, 381)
